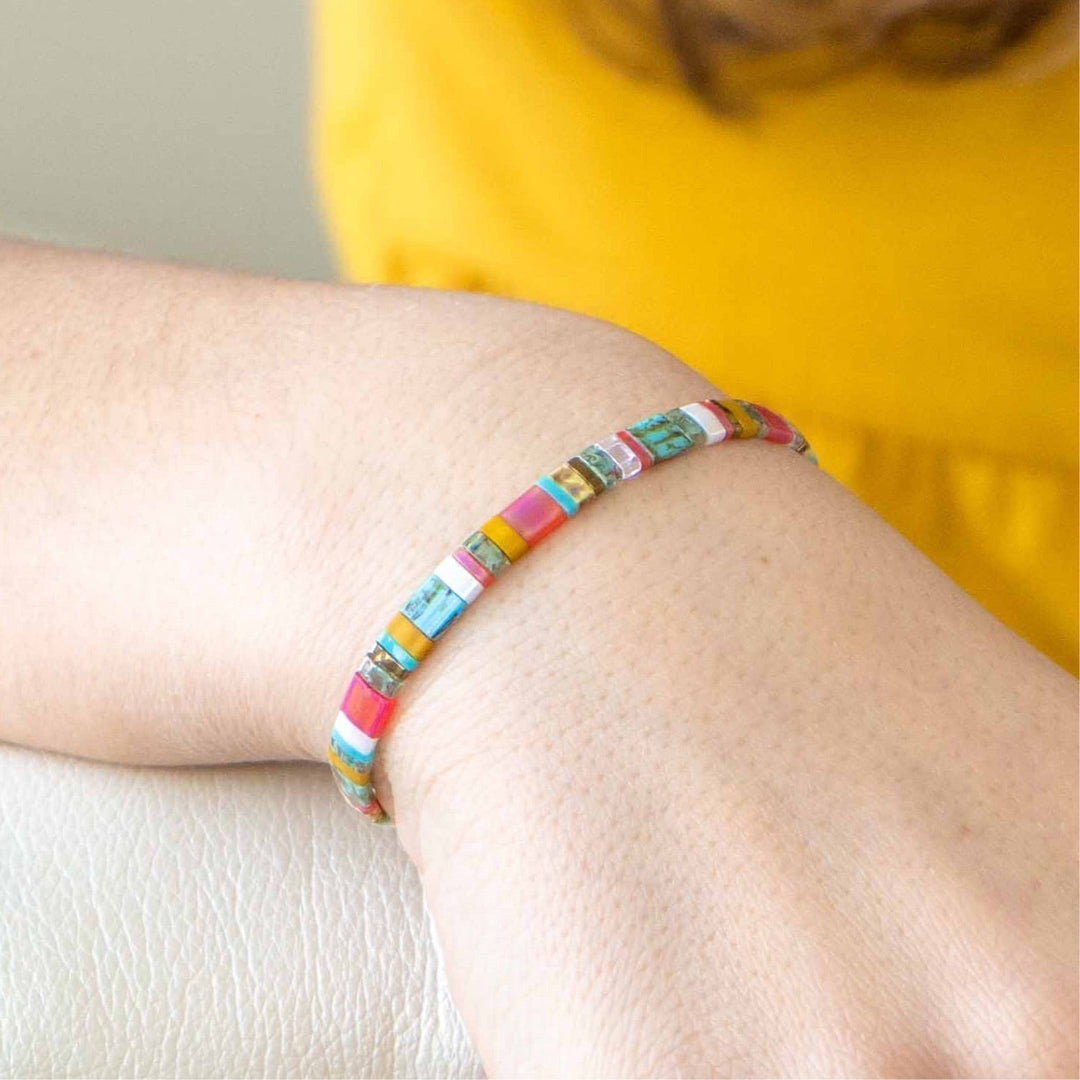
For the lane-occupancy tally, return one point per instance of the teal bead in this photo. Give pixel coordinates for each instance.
(433, 607)
(600, 464)
(487, 553)
(688, 426)
(662, 436)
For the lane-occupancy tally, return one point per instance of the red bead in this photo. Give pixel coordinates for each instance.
(778, 430)
(366, 708)
(533, 515)
(641, 452)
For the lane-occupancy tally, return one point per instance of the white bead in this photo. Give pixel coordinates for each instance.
(352, 736)
(627, 463)
(714, 431)
(458, 580)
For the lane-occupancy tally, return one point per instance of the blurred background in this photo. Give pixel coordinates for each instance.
(167, 130)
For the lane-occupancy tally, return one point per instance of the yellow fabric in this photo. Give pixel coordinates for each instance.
(890, 263)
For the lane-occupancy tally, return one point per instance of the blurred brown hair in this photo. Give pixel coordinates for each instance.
(722, 48)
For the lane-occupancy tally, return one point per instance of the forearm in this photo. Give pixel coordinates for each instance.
(700, 784)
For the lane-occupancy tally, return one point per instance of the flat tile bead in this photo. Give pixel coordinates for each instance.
(721, 415)
(470, 562)
(390, 663)
(687, 425)
(573, 483)
(760, 423)
(777, 429)
(433, 607)
(589, 474)
(533, 515)
(410, 637)
(642, 452)
(713, 429)
(563, 498)
(747, 425)
(368, 710)
(360, 798)
(601, 463)
(378, 678)
(351, 743)
(627, 463)
(397, 651)
(510, 542)
(355, 775)
(458, 580)
(661, 436)
(487, 553)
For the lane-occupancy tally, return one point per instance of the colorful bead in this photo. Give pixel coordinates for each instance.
(346, 770)
(378, 678)
(486, 552)
(589, 474)
(745, 425)
(643, 453)
(351, 743)
(409, 636)
(777, 429)
(389, 663)
(473, 566)
(627, 464)
(397, 651)
(367, 709)
(433, 607)
(565, 500)
(722, 416)
(661, 437)
(462, 576)
(713, 429)
(600, 462)
(510, 543)
(573, 483)
(458, 580)
(687, 425)
(533, 515)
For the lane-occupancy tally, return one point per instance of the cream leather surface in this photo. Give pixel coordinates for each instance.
(234, 922)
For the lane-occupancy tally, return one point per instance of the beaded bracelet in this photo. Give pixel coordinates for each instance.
(461, 577)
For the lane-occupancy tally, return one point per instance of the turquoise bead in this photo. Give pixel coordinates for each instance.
(433, 607)
(563, 498)
(487, 553)
(662, 436)
(601, 464)
(403, 657)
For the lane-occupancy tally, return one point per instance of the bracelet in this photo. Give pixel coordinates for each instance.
(462, 576)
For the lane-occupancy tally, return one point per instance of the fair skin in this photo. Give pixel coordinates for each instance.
(725, 779)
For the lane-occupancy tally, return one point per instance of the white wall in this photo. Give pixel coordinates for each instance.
(172, 129)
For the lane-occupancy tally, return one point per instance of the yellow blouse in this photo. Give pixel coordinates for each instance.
(891, 263)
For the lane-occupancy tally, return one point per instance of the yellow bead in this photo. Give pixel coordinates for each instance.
(413, 641)
(508, 540)
(748, 424)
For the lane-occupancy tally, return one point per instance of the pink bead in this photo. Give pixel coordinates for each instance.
(533, 515)
(473, 566)
(366, 708)
(778, 429)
